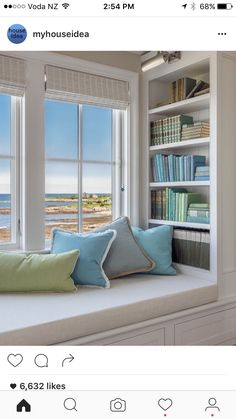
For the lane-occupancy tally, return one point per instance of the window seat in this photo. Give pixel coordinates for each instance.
(46, 319)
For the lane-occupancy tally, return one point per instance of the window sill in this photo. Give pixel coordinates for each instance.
(42, 251)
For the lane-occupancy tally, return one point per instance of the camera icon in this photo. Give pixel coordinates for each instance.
(118, 405)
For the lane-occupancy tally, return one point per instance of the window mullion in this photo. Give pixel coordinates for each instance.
(14, 175)
(117, 184)
(80, 167)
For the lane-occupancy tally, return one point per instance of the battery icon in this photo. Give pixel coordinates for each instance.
(224, 6)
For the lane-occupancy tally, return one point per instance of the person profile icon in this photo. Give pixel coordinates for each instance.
(212, 407)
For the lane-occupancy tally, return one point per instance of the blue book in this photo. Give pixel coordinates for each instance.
(202, 169)
(181, 169)
(196, 161)
(158, 167)
(202, 178)
(199, 220)
(189, 168)
(171, 167)
(174, 167)
(185, 168)
(165, 169)
(154, 172)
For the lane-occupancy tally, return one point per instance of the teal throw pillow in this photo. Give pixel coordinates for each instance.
(157, 243)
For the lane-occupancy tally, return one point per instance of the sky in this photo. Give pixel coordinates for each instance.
(5, 135)
(61, 128)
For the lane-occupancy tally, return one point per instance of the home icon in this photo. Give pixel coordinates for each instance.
(23, 406)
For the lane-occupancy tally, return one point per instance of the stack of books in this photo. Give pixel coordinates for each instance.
(172, 204)
(191, 247)
(168, 130)
(199, 213)
(185, 88)
(196, 130)
(178, 168)
(202, 173)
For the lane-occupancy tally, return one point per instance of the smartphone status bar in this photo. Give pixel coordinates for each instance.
(101, 8)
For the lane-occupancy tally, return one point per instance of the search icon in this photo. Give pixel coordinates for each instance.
(70, 404)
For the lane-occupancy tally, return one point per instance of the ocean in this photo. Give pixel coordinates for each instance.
(5, 202)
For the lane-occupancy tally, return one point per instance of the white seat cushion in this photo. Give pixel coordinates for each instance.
(45, 319)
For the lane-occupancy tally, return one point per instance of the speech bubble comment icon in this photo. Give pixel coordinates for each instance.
(41, 360)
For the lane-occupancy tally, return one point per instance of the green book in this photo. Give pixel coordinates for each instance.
(189, 198)
(167, 203)
(199, 205)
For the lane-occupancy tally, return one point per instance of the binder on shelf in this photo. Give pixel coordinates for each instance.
(191, 247)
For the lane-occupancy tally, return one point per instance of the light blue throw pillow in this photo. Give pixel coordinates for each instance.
(93, 249)
(157, 243)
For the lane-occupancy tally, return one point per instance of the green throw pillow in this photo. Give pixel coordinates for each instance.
(37, 273)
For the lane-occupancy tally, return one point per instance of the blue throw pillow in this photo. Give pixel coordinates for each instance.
(157, 243)
(93, 249)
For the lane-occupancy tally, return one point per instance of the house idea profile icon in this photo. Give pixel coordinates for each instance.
(17, 33)
(23, 406)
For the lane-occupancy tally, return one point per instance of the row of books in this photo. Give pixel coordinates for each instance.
(199, 129)
(169, 130)
(172, 204)
(191, 247)
(199, 213)
(185, 88)
(175, 168)
(178, 128)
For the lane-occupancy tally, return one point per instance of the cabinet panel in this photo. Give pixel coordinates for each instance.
(214, 329)
(153, 338)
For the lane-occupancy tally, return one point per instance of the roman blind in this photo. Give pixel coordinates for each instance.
(12, 75)
(84, 88)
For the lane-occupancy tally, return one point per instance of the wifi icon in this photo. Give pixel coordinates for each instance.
(65, 5)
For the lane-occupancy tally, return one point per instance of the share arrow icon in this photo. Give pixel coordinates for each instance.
(69, 359)
(184, 5)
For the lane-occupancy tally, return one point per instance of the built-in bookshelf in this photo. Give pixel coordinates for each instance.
(156, 90)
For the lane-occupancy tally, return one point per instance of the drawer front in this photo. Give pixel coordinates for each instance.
(213, 329)
(152, 338)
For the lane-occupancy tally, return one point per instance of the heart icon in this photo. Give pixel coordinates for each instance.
(13, 386)
(165, 404)
(15, 359)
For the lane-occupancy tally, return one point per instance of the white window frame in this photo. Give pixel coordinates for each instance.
(15, 175)
(117, 187)
(33, 147)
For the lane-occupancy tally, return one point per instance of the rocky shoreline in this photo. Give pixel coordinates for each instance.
(89, 224)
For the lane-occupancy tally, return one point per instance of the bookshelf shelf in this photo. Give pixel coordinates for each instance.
(184, 106)
(180, 224)
(179, 184)
(172, 122)
(181, 144)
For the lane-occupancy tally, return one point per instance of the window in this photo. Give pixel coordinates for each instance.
(65, 164)
(9, 169)
(83, 169)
